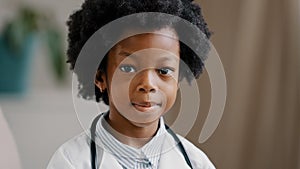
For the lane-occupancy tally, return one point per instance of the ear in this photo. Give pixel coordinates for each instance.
(100, 80)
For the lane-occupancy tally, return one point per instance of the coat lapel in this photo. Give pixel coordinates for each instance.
(108, 161)
(171, 157)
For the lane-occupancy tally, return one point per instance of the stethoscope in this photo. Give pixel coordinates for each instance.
(93, 144)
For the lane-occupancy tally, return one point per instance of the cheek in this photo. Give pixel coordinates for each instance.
(120, 89)
(171, 93)
(118, 86)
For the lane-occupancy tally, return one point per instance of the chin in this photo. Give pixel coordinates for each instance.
(144, 124)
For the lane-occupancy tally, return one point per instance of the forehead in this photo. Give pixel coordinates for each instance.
(163, 39)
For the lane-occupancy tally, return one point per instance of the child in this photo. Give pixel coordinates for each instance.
(138, 79)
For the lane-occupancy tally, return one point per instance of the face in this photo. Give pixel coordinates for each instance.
(142, 77)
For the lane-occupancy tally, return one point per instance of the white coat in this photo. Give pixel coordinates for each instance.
(75, 154)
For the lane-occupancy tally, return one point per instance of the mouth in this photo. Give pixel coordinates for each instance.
(145, 106)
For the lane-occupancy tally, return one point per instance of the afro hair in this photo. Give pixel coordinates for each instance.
(94, 14)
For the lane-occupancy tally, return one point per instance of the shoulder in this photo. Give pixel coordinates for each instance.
(197, 157)
(67, 155)
(77, 143)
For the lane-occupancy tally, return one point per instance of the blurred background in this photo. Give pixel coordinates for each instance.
(257, 41)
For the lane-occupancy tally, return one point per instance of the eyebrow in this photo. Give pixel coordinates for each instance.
(163, 58)
(127, 53)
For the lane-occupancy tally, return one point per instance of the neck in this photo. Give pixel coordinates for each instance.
(129, 133)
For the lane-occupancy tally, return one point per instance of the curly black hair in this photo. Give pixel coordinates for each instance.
(94, 14)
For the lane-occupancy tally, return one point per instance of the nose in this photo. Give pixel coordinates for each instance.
(147, 81)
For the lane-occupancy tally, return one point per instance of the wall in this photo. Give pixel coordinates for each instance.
(46, 112)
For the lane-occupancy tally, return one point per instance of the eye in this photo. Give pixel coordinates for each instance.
(127, 68)
(165, 71)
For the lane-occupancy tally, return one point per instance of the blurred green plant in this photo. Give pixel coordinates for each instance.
(30, 22)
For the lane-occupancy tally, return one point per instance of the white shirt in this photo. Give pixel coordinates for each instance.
(146, 157)
(75, 154)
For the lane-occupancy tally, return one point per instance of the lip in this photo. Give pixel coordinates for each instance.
(145, 106)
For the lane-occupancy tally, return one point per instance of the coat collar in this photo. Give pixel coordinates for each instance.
(171, 157)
